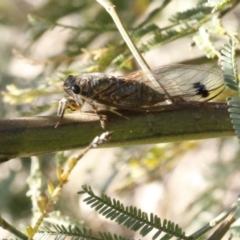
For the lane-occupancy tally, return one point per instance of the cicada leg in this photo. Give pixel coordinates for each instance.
(102, 117)
(72, 104)
(66, 103)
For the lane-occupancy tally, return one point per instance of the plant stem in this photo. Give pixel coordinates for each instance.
(37, 135)
(111, 9)
(5, 225)
(215, 221)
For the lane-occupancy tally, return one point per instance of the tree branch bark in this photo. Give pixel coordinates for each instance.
(37, 135)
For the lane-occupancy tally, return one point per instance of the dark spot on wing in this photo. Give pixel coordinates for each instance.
(201, 89)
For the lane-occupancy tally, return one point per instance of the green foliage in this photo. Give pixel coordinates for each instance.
(234, 110)
(203, 41)
(61, 232)
(231, 79)
(197, 14)
(229, 65)
(184, 23)
(218, 4)
(131, 217)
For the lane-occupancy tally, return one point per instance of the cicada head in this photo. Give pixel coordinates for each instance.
(77, 86)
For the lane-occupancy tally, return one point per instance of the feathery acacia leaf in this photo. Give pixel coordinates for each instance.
(234, 110)
(231, 79)
(131, 217)
(229, 65)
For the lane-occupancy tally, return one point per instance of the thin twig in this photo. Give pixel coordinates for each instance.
(46, 204)
(5, 225)
(215, 221)
(111, 9)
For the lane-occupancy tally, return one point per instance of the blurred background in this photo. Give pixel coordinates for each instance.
(41, 42)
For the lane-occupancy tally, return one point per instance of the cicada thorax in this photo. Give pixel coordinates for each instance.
(112, 91)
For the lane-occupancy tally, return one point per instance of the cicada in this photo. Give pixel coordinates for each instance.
(178, 84)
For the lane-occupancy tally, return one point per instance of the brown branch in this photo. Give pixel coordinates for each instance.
(37, 135)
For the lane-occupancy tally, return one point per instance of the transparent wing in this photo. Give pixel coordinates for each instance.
(185, 82)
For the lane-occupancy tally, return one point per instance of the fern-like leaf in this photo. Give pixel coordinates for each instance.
(230, 70)
(202, 40)
(145, 30)
(229, 65)
(196, 14)
(218, 4)
(234, 110)
(160, 37)
(61, 232)
(131, 217)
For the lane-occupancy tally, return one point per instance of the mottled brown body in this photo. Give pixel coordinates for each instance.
(177, 83)
(111, 91)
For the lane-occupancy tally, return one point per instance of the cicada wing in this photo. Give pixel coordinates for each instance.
(185, 82)
(190, 82)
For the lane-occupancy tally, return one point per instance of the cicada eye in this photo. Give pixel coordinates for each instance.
(76, 89)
